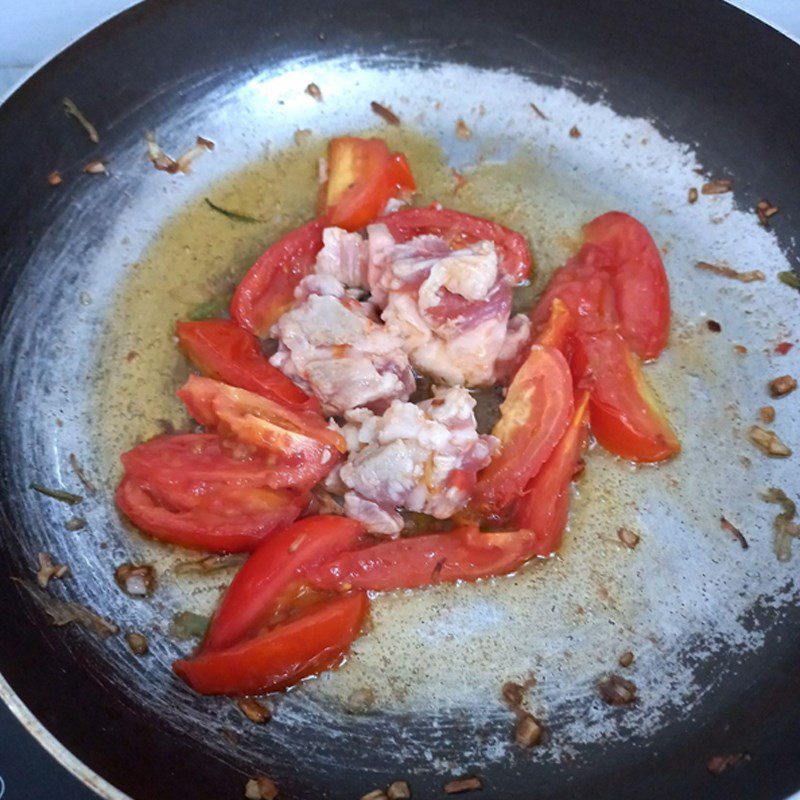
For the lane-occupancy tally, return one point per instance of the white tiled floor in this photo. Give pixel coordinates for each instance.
(35, 30)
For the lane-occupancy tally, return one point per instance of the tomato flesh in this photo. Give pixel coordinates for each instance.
(255, 593)
(223, 520)
(533, 417)
(639, 279)
(222, 350)
(304, 449)
(627, 419)
(279, 658)
(267, 290)
(362, 177)
(544, 508)
(409, 563)
(459, 230)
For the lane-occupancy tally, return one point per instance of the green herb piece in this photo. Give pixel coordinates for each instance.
(234, 215)
(790, 279)
(57, 494)
(73, 111)
(188, 625)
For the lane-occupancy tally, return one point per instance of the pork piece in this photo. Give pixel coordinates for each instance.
(450, 307)
(422, 458)
(344, 257)
(334, 347)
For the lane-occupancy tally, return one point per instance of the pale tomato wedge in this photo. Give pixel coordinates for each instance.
(363, 175)
(222, 520)
(533, 417)
(544, 508)
(279, 658)
(464, 554)
(255, 594)
(267, 290)
(627, 419)
(639, 279)
(302, 444)
(221, 349)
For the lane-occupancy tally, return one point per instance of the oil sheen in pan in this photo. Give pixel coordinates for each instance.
(688, 584)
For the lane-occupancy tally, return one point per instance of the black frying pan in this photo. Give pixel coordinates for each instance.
(703, 72)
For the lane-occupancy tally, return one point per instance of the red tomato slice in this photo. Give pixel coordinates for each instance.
(279, 658)
(544, 507)
(220, 349)
(363, 177)
(627, 419)
(460, 230)
(199, 462)
(640, 282)
(559, 328)
(304, 448)
(253, 596)
(268, 288)
(227, 520)
(462, 554)
(533, 417)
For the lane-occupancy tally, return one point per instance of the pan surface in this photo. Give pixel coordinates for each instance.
(659, 99)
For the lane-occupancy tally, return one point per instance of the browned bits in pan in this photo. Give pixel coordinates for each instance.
(528, 731)
(54, 178)
(766, 414)
(617, 691)
(713, 325)
(260, 788)
(254, 710)
(463, 130)
(385, 113)
(628, 537)
(138, 643)
(717, 186)
(513, 694)
(95, 167)
(718, 764)
(538, 111)
(49, 570)
(765, 210)
(136, 580)
(693, 195)
(471, 783)
(71, 110)
(734, 531)
(780, 387)
(574, 132)
(375, 794)
(312, 90)
(626, 659)
(768, 442)
(81, 475)
(399, 790)
(729, 272)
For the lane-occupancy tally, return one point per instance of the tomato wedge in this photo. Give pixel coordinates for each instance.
(304, 448)
(460, 230)
(544, 507)
(223, 520)
(627, 419)
(220, 349)
(559, 328)
(253, 597)
(267, 290)
(533, 417)
(280, 657)
(362, 177)
(464, 554)
(639, 279)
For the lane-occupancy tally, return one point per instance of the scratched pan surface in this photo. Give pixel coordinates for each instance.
(665, 95)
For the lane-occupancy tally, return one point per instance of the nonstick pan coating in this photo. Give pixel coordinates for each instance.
(699, 73)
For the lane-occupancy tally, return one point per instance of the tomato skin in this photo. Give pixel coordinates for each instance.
(226, 520)
(267, 290)
(559, 329)
(363, 177)
(279, 658)
(544, 507)
(254, 594)
(304, 449)
(220, 349)
(409, 563)
(462, 229)
(639, 279)
(627, 419)
(533, 417)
